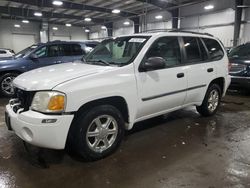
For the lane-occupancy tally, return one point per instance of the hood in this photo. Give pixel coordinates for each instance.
(3, 59)
(8, 61)
(49, 77)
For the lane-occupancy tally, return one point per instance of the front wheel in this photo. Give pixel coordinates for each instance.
(6, 84)
(97, 133)
(211, 101)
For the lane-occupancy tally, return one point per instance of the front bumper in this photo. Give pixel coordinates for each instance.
(240, 82)
(30, 126)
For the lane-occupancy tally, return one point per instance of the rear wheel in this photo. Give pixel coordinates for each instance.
(211, 101)
(97, 133)
(6, 84)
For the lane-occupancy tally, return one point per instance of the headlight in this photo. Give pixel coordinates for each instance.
(49, 102)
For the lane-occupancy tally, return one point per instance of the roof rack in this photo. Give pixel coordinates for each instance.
(177, 30)
(192, 32)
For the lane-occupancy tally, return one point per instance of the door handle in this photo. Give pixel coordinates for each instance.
(210, 70)
(58, 61)
(180, 75)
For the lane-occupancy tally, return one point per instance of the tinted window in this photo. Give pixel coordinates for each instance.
(53, 51)
(168, 48)
(3, 52)
(204, 55)
(91, 45)
(41, 52)
(214, 49)
(192, 49)
(65, 50)
(240, 51)
(76, 49)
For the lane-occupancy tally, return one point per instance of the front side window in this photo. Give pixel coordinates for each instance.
(191, 46)
(167, 48)
(214, 49)
(119, 51)
(41, 52)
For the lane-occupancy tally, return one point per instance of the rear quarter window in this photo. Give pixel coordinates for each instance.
(214, 49)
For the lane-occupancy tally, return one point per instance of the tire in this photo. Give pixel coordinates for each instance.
(210, 105)
(6, 87)
(83, 145)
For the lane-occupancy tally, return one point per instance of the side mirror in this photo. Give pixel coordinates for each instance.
(33, 56)
(153, 63)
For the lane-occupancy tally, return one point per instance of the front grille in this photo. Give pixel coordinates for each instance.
(237, 67)
(22, 100)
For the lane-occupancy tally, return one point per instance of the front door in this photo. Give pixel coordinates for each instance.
(200, 69)
(163, 89)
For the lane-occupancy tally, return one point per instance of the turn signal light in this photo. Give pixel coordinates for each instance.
(56, 103)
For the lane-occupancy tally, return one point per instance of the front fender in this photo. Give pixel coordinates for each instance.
(86, 89)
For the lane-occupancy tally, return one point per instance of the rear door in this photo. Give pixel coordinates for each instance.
(200, 71)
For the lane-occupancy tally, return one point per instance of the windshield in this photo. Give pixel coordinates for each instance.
(240, 51)
(119, 51)
(26, 51)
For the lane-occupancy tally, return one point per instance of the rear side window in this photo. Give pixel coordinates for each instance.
(65, 50)
(53, 51)
(76, 49)
(203, 51)
(193, 53)
(214, 49)
(3, 52)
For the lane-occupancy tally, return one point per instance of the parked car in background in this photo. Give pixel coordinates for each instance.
(239, 58)
(6, 53)
(90, 45)
(88, 105)
(40, 55)
(228, 49)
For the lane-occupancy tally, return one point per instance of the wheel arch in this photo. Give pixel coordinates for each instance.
(10, 71)
(116, 101)
(220, 82)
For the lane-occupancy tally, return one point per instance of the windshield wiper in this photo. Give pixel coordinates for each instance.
(99, 61)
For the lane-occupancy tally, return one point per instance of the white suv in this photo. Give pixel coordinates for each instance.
(87, 105)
